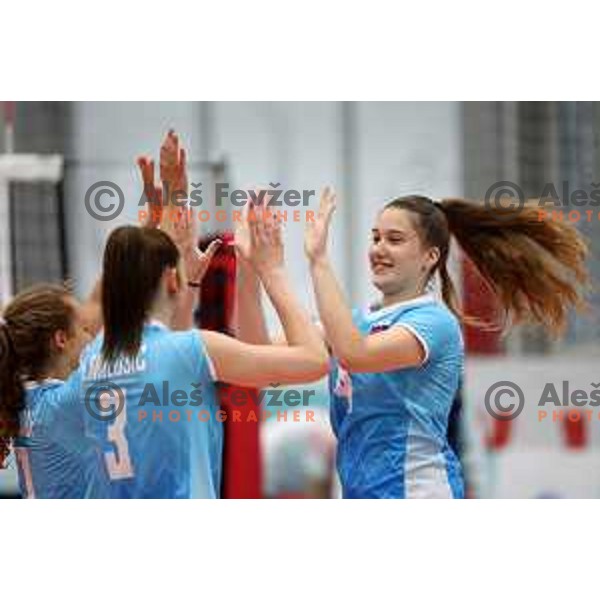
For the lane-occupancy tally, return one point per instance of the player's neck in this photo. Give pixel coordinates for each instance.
(60, 369)
(391, 299)
(163, 313)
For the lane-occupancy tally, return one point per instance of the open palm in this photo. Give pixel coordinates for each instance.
(242, 239)
(183, 234)
(317, 231)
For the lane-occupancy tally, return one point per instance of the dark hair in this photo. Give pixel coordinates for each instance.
(535, 265)
(134, 261)
(31, 320)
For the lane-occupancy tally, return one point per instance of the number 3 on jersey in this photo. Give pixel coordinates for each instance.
(118, 462)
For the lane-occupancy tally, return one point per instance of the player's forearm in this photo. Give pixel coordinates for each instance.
(249, 322)
(344, 339)
(297, 326)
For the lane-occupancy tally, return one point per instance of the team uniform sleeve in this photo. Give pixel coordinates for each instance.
(62, 410)
(203, 364)
(434, 328)
(61, 414)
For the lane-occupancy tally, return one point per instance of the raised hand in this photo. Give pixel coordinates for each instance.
(181, 185)
(173, 174)
(241, 236)
(170, 156)
(146, 166)
(152, 192)
(242, 241)
(183, 233)
(266, 245)
(317, 232)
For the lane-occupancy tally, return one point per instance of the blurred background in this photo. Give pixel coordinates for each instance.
(52, 152)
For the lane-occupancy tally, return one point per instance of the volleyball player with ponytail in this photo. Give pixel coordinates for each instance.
(150, 280)
(398, 363)
(138, 350)
(43, 331)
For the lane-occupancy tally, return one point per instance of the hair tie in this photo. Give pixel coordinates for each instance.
(3, 322)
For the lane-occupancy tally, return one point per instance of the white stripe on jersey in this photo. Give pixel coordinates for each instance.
(425, 468)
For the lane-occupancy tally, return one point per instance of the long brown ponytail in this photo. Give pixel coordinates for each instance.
(29, 324)
(534, 264)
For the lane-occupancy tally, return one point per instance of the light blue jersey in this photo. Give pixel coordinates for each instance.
(54, 457)
(166, 441)
(392, 427)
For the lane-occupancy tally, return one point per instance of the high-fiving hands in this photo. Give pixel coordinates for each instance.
(173, 167)
(152, 192)
(266, 252)
(195, 261)
(317, 231)
(173, 175)
(258, 238)
(177, 221)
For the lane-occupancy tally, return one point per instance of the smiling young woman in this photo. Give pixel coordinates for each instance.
(398, 364)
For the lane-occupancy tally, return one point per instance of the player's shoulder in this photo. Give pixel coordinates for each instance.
(434, 311)
(35, 390)
(426, 308)
(184, 347)
(158, 338)
(189, 338)
(436, 325)
(45, 398)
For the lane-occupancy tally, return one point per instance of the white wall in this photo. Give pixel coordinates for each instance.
(400, 147)
(107, 137)
(536, 460)
(403, 148)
